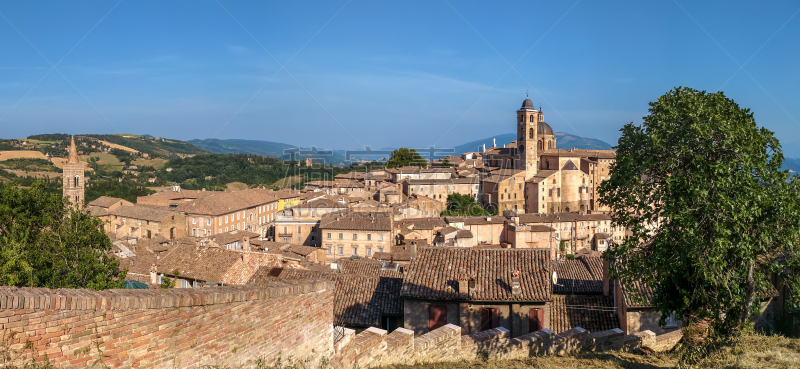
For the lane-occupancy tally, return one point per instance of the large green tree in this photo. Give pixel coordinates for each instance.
(710, 213)
(458, 204)
(45, 244)
(403, 157)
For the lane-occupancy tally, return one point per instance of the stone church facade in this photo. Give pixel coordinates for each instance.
(555, 180)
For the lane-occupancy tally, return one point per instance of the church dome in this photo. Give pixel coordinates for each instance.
(544, 129)
(527, 104)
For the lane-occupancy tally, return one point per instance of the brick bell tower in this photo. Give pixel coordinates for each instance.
(74, 179)
(528, 119)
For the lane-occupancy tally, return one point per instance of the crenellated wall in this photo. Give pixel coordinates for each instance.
(374, 347)
(237, 326)
(175, 328)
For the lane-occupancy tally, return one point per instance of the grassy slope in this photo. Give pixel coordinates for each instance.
(753, 351)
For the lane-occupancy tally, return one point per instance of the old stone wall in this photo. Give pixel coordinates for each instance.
(374, 347)
(176, 328)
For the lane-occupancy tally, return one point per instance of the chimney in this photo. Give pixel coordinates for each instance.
(484, 148)
(246, 250)
(494, 142)
(515, 283)
(153, 274)
(412, 250)
(462, 287)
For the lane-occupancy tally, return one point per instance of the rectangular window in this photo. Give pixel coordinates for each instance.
(208, 221)
(299, 229)
(369, 251)
(341, 250)
(226, 229)
(238, 216)
(535, 320)
(380, 237)
(220, 221)
(226, 219)
(355, 250)
(328, 251)
(355, 236)
(341, 236)
(220, 230)
(329, 235)
(369, 237)
(490, 318)
(437, 316)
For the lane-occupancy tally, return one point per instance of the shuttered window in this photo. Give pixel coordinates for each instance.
(490, 318)
(535, 320)
(437, 316)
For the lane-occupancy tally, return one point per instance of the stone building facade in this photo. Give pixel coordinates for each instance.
(346, 234)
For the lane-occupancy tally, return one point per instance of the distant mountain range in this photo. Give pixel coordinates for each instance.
(235, 146)
(563, 141)
(277, 149)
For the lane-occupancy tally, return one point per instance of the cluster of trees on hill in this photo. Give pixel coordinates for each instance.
(465, 205)
(249, 169)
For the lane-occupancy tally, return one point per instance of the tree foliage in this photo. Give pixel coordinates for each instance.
(404, 157)
(126, 189)
(710, 213)
(45, 244)
(464, 205)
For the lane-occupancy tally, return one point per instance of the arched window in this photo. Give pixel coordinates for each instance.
(540, 144)
(531, 119)
(530, 133)
(549, 145)
(76, 181)
(547, 165)
(541, 118)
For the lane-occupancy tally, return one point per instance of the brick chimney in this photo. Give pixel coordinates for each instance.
(153, 274)
(462, 286)
(246, 249)
(515, 283)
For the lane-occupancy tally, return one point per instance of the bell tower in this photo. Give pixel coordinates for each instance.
(74, 179)
(527, 125)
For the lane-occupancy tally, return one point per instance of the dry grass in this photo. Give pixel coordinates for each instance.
(115, 146)
(753, 351)
(23, 173)
(21, 154)
(157, 163)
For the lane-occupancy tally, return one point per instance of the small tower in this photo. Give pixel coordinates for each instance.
(74, 179)
(528, 119)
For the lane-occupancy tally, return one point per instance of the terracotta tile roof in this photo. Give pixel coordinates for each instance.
(104, 201)
(421, 223)
(593, 313)
(225, 238)
(303, 250)
(241, 271)
(359, 221)
(97, 211)
(475, 220)
(201, 263)
(367, 267)
(542, 175)
(220, 203)
(359, 301)
(443, 182)
(601, 236)
(637, 294)
(321, 203)
(561, 217)
(396, 256)
(436, 272)
(142, 213)
(581, 275)
(464, 233)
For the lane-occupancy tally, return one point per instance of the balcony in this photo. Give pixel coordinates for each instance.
(284, 235)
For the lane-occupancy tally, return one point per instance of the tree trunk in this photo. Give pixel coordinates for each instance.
(751, 293)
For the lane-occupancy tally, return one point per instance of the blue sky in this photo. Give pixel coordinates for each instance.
(381, 73)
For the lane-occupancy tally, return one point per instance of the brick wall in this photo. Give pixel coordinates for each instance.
(176, 328)
(374, 347)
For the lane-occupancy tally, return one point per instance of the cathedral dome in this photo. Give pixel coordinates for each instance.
(527, 104)
(544, 129)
